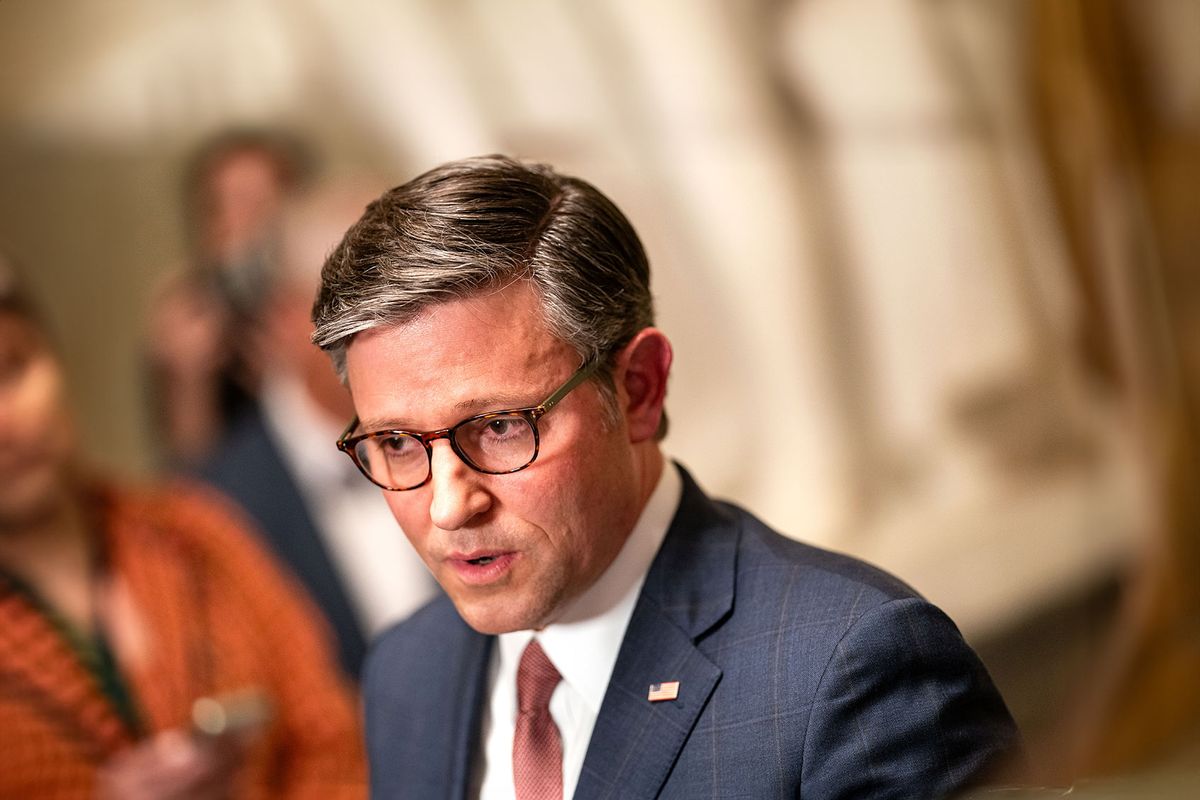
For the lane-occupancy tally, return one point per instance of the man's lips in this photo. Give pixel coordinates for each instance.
(481, 567)
(476, 556)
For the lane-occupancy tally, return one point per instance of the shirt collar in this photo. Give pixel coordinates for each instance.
(584, 643)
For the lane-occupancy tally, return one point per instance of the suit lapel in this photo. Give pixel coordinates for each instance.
(468, 695)
(635, 742)
(688, 590)
(424, 698)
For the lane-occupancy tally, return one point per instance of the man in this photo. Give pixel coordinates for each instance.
(324, 522)
(608, 630)
(234, 189)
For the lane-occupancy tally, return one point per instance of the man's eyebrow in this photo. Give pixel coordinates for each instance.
(381, 424)
(467, 408)
(494, 402)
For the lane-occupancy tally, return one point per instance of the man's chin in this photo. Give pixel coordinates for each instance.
(497, 617)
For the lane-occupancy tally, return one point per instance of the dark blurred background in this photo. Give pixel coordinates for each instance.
(929, 265)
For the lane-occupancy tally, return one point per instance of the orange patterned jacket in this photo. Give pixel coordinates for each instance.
(216, 616)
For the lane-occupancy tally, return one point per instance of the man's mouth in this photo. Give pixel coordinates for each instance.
(481, 568)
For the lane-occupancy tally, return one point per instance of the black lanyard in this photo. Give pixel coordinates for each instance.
(93, 652)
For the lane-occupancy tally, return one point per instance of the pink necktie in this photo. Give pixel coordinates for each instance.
(537, 749)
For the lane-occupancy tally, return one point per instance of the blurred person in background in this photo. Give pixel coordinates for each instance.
(203, 376)
(132, 620)
(331, 528)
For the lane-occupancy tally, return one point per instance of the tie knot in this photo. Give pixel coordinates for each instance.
(536, 679)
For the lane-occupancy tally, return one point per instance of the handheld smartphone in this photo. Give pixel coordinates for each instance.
(231, 713)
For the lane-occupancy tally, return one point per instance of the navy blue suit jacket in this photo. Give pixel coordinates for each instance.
(249, 468)
(801, 672)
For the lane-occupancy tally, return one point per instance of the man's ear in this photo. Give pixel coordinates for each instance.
(642, 374)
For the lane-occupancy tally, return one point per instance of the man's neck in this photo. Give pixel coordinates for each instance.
(624, 575)
(648, 467)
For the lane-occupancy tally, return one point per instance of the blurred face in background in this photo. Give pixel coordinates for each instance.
(241, 196)
(36, 435)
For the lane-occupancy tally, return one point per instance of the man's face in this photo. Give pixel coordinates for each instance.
(544, 534)
(243, 194)
(35, 428)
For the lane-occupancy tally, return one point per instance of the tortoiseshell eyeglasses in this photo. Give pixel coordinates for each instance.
(495, 443)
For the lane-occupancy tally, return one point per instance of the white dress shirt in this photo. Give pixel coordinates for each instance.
(582, 645)
(383, 576)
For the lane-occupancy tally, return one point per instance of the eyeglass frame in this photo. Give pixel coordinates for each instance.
(348, 444)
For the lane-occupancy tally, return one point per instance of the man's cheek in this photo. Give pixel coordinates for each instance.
(402, 510)
(417, 542)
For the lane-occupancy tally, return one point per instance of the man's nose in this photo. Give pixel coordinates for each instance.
(458, 493)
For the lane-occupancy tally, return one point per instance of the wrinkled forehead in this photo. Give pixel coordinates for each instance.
(464, 330)
(473, 352)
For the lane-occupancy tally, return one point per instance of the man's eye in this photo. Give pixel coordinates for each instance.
(503, 428)
(398, 446)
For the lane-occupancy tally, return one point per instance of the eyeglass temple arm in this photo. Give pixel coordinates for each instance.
(349, 430)
(581, 375)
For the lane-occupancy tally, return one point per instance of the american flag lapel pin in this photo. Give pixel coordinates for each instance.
(667, 690)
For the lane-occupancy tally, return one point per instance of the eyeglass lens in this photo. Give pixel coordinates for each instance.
(492, 443)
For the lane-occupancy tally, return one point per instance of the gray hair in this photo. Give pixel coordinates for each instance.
(479, 224)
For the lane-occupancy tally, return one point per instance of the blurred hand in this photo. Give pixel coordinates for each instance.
(174, 765)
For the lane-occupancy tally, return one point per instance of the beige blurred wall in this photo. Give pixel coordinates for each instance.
(854, 256)
(91, 230)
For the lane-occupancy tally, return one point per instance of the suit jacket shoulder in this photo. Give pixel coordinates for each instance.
(423, 688)
(801, 671)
